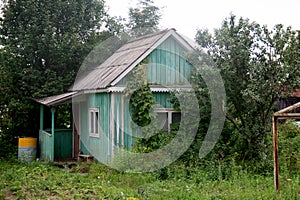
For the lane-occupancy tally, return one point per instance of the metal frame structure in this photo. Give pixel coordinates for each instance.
(281, 114)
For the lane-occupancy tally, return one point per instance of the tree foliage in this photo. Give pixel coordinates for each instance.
(43, 45)
(48, 38)
(144, 18)
(259, 66)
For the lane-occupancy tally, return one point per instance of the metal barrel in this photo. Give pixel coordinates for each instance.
(27, 149)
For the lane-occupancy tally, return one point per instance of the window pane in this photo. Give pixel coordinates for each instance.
(162, 121)
(92, 122)
(97, 122)
(176, 117)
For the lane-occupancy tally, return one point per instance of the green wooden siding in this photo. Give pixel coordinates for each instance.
(96, 146)
(168, 65)
(122, 134)
(63, 143)
(168, 68)
(122, 130)
(45, 146)
(163, 99)
(125, 124)
(118, 126)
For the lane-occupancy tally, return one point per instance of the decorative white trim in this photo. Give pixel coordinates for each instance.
(183, 41)
(95, 91)
(116, 89)
(95, 122)
(154, 88)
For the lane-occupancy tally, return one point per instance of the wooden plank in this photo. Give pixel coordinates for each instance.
(52, 132)
(288, 115)
(45, 145)
(63, 143)
(122, 121)
(153, 65)
(288, 109)
(112, 124)
(117, 105)
(177, 57)
(88, 158)
(127, 124)
(158, 65)
(104, 150)
(41, 117)
(275, 152)
(76, 129)
(168, 62)
(182, 69)
(173, 59)
(162, 68)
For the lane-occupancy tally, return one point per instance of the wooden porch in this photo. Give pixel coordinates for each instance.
(58, 147)
(56, 144)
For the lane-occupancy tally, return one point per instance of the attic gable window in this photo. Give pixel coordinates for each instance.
(94, 122)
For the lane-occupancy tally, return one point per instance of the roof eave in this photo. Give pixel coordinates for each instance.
(57, 99)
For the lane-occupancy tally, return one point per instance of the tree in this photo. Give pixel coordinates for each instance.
(259, 66)
(44, 43)
(49, 37)
(144, 19)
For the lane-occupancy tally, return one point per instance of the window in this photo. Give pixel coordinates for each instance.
(162, 121)
(166, 118)
(94, 122)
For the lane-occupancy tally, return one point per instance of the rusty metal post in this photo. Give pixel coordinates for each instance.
(275, 152)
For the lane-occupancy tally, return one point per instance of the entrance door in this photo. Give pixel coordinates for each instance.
(76, 128)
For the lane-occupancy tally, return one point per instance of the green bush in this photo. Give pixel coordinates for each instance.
(289, 146)
(8, 146)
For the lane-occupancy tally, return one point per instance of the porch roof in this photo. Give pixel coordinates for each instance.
(56, 99)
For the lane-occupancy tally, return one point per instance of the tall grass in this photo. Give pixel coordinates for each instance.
(95, 181)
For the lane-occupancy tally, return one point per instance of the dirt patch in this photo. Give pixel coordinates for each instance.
(9, 194)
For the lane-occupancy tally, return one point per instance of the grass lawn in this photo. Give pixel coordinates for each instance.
(94, 181)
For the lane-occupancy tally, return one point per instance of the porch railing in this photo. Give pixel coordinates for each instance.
(46, 146)
(62, 144)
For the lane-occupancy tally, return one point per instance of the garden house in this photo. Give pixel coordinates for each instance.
(101, 122)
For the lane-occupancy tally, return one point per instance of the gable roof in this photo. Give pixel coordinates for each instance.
(118, 65)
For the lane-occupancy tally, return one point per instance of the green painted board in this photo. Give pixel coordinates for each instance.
(45, 146)
(63, 143)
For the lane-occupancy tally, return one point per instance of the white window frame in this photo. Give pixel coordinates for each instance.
(169, 112)
(94, 122)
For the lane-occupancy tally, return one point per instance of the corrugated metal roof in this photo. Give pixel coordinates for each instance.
(57, 99)
(123, 60)
(109, 70)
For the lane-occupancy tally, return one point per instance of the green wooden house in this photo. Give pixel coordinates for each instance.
(101, 119)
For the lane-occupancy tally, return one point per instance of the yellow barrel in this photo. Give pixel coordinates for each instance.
(27, 149)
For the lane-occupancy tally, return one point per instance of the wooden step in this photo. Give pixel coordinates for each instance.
(83, 157)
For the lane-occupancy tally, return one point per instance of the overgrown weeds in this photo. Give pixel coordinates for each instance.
(95, 181)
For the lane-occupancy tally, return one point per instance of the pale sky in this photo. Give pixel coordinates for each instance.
(186, 16)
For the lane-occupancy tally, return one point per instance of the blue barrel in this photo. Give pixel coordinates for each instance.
(27, 149)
